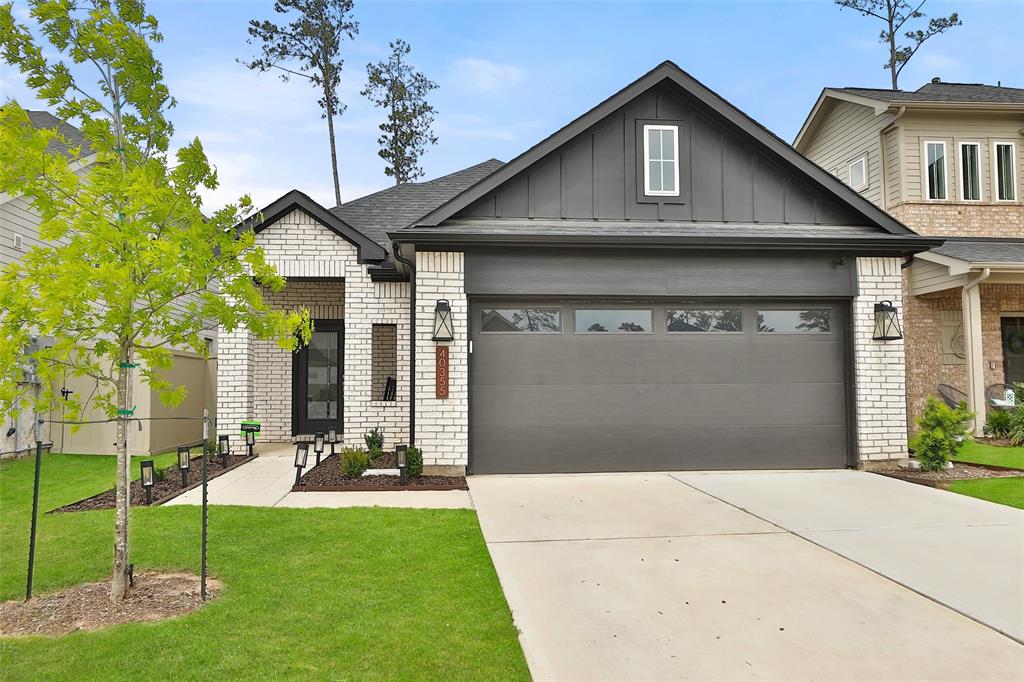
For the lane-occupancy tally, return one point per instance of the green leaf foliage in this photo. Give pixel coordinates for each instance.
(942, 431)
(414, 462)
(354, 461)
(135, 265)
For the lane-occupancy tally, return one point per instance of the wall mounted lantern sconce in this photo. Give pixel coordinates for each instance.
(443, 330)
(887, 322)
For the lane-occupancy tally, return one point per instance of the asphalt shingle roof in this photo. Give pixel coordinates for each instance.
(396, 207)
(983, 250)
(44, 119)
(975, 93)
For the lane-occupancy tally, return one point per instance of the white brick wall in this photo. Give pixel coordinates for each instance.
(255, 379)
(442, 425)
(879, 365)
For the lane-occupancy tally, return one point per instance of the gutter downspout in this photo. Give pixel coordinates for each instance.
(396, 251)
(971, 310)
(881, 155)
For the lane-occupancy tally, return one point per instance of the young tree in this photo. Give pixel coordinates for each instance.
(310, 46)
(896, 14)
(395, 86)
(135, 267)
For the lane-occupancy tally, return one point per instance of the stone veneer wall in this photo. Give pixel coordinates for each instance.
(878, 365)
(299, 247)
(442, 425)
(961, 220)
(926, 366)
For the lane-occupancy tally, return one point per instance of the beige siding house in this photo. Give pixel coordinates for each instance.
(947, 160)
(19, 233)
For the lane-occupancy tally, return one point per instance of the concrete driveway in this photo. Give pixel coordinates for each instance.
(644, 576)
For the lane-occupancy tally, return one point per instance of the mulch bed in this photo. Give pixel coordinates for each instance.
(328, 477)
(164, 490)
(155, 596)
(938, 479)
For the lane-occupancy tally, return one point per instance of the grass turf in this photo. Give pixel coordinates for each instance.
(341, 594)
(982, 453)
(1008, 491)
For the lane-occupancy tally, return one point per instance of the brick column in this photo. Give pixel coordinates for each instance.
(442, 424)
(235, 367)
(879, 366)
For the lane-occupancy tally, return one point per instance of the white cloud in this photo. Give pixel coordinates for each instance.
(484, 76)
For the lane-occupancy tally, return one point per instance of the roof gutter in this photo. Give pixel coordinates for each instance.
(397, 252)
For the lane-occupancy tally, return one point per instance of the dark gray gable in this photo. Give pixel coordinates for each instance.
(367, 250)
(732, 169)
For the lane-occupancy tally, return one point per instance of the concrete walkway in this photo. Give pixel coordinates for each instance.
(643, 576)
(267, 482)
(963, 552)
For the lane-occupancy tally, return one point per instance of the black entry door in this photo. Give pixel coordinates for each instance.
(317, 380)
(1013, 348)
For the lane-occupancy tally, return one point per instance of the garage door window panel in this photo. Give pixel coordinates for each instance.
(614, 321)
(704, 320)
(521, 321)
(795, 321)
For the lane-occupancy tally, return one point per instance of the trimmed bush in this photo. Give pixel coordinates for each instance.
(1015, 432)
(414, 462)
(354, 462)
(998, 423)
(374, 443)
(943, 431)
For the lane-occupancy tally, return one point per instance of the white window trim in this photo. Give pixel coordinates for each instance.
(1013, 174)
(862, 160)
(924, 168)
(647, 162)
(960, 172)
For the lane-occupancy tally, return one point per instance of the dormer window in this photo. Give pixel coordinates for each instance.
(661, 160)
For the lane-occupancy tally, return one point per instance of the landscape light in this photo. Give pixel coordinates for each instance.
(301, 452)
(403, 476)
(148, 478)
(224, 448)
(184, 462)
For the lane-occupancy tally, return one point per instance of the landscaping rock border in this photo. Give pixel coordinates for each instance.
(328, 477)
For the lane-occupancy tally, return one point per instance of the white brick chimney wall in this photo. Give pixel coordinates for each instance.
(879, 366)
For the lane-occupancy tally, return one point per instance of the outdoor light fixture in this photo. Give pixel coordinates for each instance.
(250, 441)
(403, 477)
(318, 445)
(148, 478)
(301, 452)
(332, 438)
(184, 461)
(443, 321)
(887, 322)
(224, 448)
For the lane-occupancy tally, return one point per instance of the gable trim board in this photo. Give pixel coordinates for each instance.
(368, 251)
(712, 104)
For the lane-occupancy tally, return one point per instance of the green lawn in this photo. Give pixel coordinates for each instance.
(1008, 491)
(981, 453)
(321, 594)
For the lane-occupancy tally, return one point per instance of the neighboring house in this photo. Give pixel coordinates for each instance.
(19, 232)
(948, 161)
(661, 284)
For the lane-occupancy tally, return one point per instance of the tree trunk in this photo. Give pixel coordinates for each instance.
(334, 155)
(892, 48)
(119, 587)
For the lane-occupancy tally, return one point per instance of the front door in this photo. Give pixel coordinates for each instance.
(1013, 348)
(317, 379)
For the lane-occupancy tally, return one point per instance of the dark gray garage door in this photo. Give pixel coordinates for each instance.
(612, 386)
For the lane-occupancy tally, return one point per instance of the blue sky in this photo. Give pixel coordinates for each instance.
(512, 73)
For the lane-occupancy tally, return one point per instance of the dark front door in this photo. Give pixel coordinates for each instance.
(1013, 348)
(317, 380)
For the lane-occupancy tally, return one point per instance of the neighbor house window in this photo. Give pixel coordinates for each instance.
(970, 171)
(1005, 161)
(704, 320)
(521, 320)
(858, 173)
(802, 321)
(935, 169)
(613, 321)
(661, 160)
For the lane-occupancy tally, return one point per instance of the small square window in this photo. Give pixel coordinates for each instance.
(661, 160)
(858, 173)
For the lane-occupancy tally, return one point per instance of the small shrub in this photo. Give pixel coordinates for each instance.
(354, 461)
(998, 423)
(943, 430)
(1015, 432)
(374, 443)
(160, 473)
(414, 462)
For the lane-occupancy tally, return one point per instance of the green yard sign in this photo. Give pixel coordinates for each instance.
(250, 426)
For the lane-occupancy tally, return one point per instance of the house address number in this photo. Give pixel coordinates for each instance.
(441, 374)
